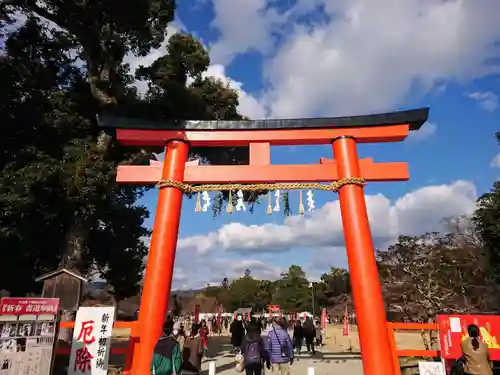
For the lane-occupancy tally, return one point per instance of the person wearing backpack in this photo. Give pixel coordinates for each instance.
(254, 351)
(280, 348)
(167, 358)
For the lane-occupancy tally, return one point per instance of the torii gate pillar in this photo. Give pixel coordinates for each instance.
(367, 294)
(161, 258)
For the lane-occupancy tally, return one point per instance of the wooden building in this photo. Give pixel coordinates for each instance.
(65, 284)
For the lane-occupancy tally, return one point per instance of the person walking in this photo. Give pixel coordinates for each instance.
(167, 358)
(204, 333)
(309, 335)
(319, 334)
(298, 336)
(193, 352)
(475, 354)
(280, 349)
(254, 351)
(237, 331)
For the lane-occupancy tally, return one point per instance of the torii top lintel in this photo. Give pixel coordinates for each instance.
(384, 127)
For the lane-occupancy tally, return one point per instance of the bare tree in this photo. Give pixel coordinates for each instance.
(435, 273)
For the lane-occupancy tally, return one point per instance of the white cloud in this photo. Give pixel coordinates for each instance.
(426, 131)
(249, 105)
(366, 55)
(245, 25)
(495, 163)
(419, 211)
(486, 100)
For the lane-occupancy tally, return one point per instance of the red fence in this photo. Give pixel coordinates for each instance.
(392, 327)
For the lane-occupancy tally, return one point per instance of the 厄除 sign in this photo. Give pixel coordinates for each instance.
(91, 341)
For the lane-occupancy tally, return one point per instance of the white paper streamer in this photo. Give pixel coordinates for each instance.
(277, 197)
(240, 203)
(311, 205)
(207, 202)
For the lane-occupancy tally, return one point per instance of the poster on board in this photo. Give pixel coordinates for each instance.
(28, 328)
(453, 330)
(91, 341)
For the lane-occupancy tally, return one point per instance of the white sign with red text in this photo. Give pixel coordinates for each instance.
(91, 341)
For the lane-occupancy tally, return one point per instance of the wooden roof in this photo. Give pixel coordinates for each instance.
(415, 118)
(51, 274)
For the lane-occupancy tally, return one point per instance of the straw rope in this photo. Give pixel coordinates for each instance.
(334, 186)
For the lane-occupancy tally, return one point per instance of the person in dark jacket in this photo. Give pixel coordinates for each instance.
(237, 331)
(309, 334)
(254, 350)
(167, 358)
(298, 336)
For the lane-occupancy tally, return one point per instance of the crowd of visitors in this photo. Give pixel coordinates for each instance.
(183, 346)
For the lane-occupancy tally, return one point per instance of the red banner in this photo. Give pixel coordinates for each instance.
(346, 322)
(453, 330)
(29, 306)
(196, 314)
(323, 318)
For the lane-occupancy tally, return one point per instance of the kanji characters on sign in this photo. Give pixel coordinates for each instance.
(86, 332)
(91, 341)
(29, 306)
(103, 342)
(83, 360)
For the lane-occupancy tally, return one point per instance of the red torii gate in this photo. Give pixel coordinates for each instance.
(259, 135)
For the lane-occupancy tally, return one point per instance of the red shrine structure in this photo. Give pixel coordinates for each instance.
(343, 133)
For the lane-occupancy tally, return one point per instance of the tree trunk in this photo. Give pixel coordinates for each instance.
(65, 336)
(72, 259)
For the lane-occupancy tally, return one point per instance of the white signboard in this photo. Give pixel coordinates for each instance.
(91, 341)
(431, 368)
(455, 325)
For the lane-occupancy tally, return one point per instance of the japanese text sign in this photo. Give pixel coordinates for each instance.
(91, 341)
(29, 306)
(453, 330)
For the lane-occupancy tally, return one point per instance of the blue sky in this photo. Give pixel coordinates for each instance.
(324, 57)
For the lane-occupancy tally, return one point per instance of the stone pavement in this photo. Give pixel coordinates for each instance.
(324, 362)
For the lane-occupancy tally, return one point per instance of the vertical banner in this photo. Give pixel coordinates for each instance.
(323, 318)
(91, 341)
(235, 315)
(346, 322)
(196, 314)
